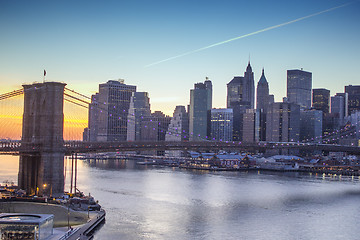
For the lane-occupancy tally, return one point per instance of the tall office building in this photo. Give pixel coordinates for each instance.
(283, 125)
(138, 109)
(283, 122)
(241, 90)
(221, 124)
(263, 101)
(252, 125)
(321, 99)
(299, 85)
(240, 96)
(262, 93)
(353, 98)
(346, 103)
(339, 106)
(93, 119)
(178, 129)
(200, 106)
(108, 111)
(311, 125)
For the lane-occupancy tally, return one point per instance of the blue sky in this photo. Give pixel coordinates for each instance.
(84, 43)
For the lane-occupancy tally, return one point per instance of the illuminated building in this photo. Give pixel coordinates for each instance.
(221, 124)
(321, 99)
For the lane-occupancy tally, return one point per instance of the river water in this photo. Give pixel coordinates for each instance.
(170, 203)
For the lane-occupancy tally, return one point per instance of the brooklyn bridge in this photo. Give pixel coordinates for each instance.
(42, 146)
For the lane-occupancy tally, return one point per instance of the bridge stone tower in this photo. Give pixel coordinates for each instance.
(41, 172)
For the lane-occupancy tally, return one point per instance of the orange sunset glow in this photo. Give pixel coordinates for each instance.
(11, 111)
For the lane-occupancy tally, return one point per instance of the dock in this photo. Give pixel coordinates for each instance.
(84, 231)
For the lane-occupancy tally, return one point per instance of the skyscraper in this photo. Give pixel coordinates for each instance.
(299, 85)
(311, 125)
(339, 106)
(262, 93)
(200, 105)
(241, 90)
(178, 129)
(221, 124)
(262, 103)
(109, 111)
(283, 122)
(321, 99)
(354, 98)
(251, 125)
(93, 119)
(139, 108)
(240, 96)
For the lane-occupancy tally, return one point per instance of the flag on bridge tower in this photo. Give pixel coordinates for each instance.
(44, 74)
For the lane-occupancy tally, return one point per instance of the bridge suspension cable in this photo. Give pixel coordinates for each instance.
(73, 91)
(11, 94)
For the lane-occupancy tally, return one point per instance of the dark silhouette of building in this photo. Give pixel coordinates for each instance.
(299, 85)
(339, 107)
(262, 103)
(321, 99)
(311, 125)
(353, 98)
(240, 96)
(262, 93)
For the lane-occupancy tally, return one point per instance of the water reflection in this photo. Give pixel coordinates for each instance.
(146, 202)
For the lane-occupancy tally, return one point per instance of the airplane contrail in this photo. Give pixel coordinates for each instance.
(250, 34)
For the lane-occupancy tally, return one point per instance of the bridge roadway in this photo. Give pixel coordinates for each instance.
(15, 147)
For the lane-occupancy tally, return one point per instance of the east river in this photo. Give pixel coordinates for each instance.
(170, 203)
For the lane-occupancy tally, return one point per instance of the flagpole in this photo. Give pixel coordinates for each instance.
(44, 75)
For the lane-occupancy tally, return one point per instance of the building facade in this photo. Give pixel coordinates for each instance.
(262, 93)
(263, 100)
(108, 111)
(353, 98)
(240, 96)
(221, 124)
(299, 85)
(311, 125)
(339, 106)
(321, 99)
(199, 110)
(283, 122)
(138, 109)
(178, 129)
(252, 125)
(154, 127)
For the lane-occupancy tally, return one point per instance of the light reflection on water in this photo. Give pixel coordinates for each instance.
(168, 203)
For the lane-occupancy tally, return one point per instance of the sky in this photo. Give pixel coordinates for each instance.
(164, 47)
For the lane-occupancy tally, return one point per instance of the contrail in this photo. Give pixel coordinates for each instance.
(250, 34)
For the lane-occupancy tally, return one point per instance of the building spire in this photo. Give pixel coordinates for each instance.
(248, 68)
(263, 78)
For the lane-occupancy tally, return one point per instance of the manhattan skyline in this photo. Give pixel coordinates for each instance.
(87, 43)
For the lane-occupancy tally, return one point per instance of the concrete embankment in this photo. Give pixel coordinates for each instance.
(62, 215)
